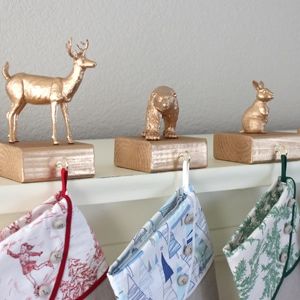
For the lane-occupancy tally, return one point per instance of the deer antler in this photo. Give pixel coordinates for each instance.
(69, 49)
(85, 47)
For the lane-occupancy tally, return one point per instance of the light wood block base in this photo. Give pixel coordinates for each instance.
(255, 148)
(136, 153)
(36, 161)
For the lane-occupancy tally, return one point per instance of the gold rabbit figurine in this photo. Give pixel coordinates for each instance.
(24, 88)
(256, 116)
(162, 102)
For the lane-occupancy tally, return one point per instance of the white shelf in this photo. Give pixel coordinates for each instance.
(226, 200)
(112, 184)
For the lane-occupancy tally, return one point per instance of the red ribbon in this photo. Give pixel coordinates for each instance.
(64, 181)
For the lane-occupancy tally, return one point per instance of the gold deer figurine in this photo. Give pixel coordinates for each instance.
(24, 88)
(256, 116)
(162, 102)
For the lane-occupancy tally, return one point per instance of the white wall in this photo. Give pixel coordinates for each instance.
(208, 51)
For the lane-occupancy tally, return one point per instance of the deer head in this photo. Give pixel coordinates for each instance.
(79, 55)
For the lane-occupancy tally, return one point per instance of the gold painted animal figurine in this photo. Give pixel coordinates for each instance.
(255, 117)
(162, 104)
(24, 88)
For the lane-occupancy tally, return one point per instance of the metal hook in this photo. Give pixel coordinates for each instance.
(185, 156)
(62, 164)
(281, 149)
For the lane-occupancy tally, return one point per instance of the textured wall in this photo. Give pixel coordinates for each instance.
(208, 51)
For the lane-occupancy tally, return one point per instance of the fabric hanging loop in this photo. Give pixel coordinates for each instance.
(63, 166)
(64, 181)
(283, 167)
(186, 171)
(281, 149)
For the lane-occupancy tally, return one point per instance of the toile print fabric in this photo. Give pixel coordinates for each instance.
(51, 253)
(169, 257)
(264, 252)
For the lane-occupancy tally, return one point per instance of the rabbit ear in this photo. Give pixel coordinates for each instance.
(255, 84)
(261, 84)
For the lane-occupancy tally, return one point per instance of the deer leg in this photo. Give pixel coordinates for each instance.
(16, 116)
(11, 122)
(65, 112)
(53, 117)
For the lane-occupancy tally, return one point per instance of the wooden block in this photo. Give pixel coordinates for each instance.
(255, 148)
(137, 153)
(36, 161)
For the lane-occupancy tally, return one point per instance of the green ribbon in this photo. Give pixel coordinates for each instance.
(283, 167)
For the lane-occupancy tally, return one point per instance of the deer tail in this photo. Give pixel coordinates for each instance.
(5, 71)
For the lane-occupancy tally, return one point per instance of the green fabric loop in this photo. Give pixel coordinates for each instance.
(283, 167)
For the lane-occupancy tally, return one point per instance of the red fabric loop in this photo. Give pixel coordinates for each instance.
(59, 196)
(66, 249)
(64, 180)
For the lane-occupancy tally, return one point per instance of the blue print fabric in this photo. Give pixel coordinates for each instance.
(168, 257)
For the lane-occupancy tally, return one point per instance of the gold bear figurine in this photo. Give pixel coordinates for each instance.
(162, 103)
(256, 116)
(24, 88)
